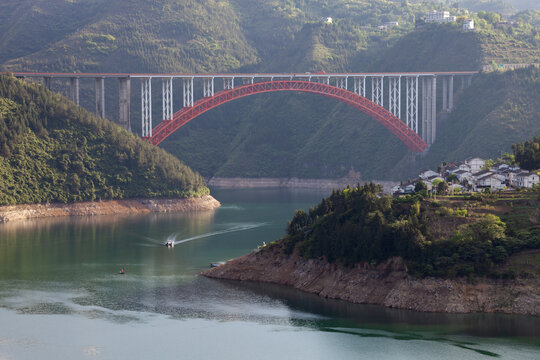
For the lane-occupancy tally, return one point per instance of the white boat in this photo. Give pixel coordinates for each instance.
(168, 243)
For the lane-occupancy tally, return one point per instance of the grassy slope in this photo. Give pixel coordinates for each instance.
(53, 151)
(301, 135)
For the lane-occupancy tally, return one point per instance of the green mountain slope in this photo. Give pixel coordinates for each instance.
(53, 151)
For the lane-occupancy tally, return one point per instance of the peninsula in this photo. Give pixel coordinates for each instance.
(458, 254)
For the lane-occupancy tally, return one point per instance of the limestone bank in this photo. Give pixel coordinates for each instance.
(386, 284)
(106, 207)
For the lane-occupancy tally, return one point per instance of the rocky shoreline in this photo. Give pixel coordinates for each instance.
(315, 184)
(386, 284)
(106, 207)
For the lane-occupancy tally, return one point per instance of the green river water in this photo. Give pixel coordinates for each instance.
(61, 296)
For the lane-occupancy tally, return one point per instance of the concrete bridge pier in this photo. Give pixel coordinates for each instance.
(448, 93)
(146, 107)
(74, 89)
(429, 109)
(100, 96)
(47, 80)
(124, 102)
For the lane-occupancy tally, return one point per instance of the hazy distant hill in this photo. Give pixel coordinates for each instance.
(274, 134)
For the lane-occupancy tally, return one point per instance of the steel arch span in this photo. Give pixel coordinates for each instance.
(377, 112)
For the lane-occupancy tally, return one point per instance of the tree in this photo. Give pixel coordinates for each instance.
(420, 186)
(528, 154)
(452, 178)
(442, 187)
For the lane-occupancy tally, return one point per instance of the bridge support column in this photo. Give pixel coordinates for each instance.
(394, 96)
(377, 90)
(412, 102)
(124, 102)
(100, 96)
(74, 89)
(451, 93)
(341, 82)
(248, 80)
(208, 87)
(448, 93)
(47, 82)
(429, 106)
(146, 107)
(188, 91)
(228, 83)
(444, 93)
(360, 85)
(167, 98)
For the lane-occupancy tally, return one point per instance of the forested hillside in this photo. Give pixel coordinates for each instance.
(448, 237)
(53, 151)
(269, 135)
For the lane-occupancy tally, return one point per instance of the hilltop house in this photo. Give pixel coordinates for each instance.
(468, 25)
(439, 17)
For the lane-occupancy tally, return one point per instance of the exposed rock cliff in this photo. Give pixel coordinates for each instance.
(386, 284)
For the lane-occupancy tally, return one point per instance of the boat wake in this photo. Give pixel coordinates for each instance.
(234, 228)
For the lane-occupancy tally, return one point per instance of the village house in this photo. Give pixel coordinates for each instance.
(488, 179)
(463, 175)
(427, 174)
(476, 164)
(471, 176)
(526, 179)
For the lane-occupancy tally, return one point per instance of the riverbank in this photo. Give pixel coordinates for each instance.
(106, 207)
(386, 284)
(315, 184)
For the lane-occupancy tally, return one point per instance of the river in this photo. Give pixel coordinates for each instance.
(61, 296)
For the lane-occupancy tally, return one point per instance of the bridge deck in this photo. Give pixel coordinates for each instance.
(238, 75)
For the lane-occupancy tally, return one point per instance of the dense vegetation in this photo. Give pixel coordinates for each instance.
(454, 236)
(527, 154)
(275, 134)
(53, 151)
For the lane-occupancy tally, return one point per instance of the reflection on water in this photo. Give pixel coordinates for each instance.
(69, 268)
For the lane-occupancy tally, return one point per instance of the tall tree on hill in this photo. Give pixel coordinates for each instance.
(528, 154)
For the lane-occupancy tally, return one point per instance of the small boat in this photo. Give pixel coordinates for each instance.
(121, 272)
(216, 264)
(168, 243)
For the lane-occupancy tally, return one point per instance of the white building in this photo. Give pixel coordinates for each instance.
(468, 25)
(487, 179)
(476, 164)
(427, 174)
(439, 17)
(328, 20)
(526, 179)
(463, 175)
(390, 24)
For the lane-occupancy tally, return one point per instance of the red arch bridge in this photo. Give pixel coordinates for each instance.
(349, 88)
